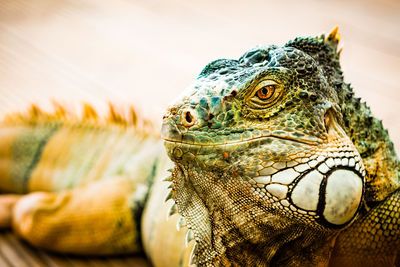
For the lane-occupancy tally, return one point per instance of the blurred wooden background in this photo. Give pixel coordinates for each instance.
(145, 52)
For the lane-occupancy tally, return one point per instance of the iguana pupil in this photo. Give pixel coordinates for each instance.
(266, 92)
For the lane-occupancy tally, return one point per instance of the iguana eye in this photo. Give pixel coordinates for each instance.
(265, 94)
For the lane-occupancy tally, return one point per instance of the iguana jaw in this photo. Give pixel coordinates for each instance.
(226, 218)
(220, 193)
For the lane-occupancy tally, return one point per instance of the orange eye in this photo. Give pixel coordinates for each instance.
(266, 92)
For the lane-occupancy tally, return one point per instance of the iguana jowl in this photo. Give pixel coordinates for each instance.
(276, 164)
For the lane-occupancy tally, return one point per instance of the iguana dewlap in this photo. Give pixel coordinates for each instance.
(273, 163)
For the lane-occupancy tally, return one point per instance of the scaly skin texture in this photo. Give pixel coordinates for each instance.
(86, 181)
(88, 184)
(276, 163)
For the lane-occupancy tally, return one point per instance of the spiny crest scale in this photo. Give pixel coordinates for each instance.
(87, 117)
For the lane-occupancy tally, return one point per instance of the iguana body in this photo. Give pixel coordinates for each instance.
(276, 163)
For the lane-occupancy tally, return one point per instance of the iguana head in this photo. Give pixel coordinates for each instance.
(263, 166)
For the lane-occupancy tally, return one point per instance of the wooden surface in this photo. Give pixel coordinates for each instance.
(16, 253)
(145, 52)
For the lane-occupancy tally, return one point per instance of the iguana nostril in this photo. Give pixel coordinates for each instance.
(188, 118)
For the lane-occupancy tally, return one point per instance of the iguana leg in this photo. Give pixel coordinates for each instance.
(96, 219)
(373, 240)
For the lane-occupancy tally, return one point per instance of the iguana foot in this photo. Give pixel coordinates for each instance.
(7, 203)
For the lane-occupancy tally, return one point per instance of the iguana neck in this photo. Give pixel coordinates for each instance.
(373, 143)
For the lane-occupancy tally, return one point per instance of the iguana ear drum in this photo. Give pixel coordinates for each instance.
(335, 195)
(343, 194)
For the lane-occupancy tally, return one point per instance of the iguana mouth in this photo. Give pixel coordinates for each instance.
(171, 133)
(302, 141)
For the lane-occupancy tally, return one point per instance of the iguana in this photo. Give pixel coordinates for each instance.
(273, 161)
